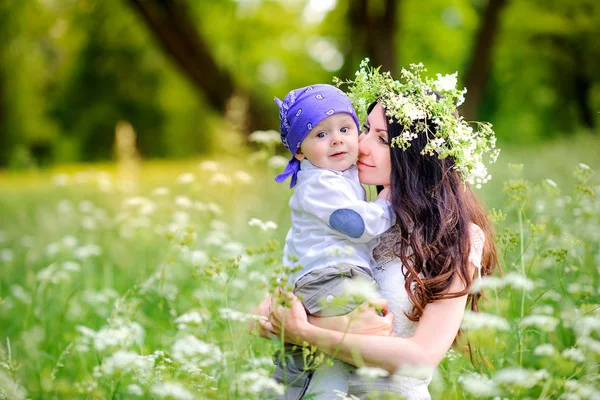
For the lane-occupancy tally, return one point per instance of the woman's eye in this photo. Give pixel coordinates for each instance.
(321, 135)
(383, 140)
(344, 130)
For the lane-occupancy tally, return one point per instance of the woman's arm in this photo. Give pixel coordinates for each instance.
(433, 337)
(364, 320)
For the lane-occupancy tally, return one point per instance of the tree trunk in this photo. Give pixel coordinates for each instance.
(373, 26)
(3, 133)
(478, 69)
(582, 87)
(169, 22)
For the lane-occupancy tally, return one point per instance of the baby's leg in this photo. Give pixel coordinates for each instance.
(328, 378)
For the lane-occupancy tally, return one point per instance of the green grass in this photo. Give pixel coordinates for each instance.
(88, 273)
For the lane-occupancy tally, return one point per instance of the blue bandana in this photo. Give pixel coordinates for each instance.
(302, 109)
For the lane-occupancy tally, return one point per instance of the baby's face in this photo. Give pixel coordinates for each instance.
(332, 143)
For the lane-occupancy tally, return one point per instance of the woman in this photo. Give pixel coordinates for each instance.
(414, 144)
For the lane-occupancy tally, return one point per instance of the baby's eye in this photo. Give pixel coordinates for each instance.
(344, 130)
(321, 135)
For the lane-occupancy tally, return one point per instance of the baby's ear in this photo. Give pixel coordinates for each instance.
(299, 156)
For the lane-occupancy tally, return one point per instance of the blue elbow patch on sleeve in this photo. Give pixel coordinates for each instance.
(348, 222)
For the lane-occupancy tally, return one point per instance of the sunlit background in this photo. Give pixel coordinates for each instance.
(140, 223)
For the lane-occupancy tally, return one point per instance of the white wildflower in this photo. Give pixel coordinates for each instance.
(545, 309)
(88, 223)
(61, 179)
(372, 372)
(259, 381)
(87, 251)
(11, 389)
(6, 256)
(186, 178)
(544, 350)
(277, 162)
(479, 320)
(478, 385)
(233, 249)
(438, 142)
(233, 315)
(413, 371)
(86, 206)
(69, 241)
(518, 281)
(207, 165)
(161, 191)
(589, 344)
(198, 257)
(190, 350)
(125, 335)
(446, 82)
(265, 137)
(262, 225)
(360, 290)
(54, 273)
(187, 319)
(544, 322)
(580, 391)
(214, 208)
(243, 177)
(20, 294)
(183, 202)
(220, 179)
(584, 166)
(587, 324)
(135, 390)
(550, 182)
(520, 377)
(172, 390)
(487, 282)
(344, 396)
(574, 354)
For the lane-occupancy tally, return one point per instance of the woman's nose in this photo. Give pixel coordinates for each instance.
(363, 147)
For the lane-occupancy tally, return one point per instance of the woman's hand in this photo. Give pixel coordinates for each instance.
(364, 320)
(262, 313)
(292, 320)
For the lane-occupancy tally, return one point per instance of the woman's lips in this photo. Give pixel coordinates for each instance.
(362, 164)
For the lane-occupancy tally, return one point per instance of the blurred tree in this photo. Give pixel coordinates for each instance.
(477, 71)
(374, 26)
(115, 77)
(572, 49)
(170, 23)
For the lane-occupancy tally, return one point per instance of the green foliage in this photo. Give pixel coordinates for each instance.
(69, 71)
(112, 291)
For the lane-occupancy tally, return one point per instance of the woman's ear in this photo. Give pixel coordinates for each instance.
(299, 156)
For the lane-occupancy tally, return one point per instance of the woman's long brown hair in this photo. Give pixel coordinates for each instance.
(434, 210)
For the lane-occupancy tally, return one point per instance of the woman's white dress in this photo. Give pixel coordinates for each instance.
(390, 278)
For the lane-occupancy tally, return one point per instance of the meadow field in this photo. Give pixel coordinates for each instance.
(136, 279)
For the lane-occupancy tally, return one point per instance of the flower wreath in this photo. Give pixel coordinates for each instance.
(412, 101)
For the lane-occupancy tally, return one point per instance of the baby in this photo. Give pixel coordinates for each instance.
(334, 230)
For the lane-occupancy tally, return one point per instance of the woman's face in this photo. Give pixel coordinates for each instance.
(374, 166)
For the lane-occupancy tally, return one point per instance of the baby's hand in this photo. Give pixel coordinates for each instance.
(385, 194)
